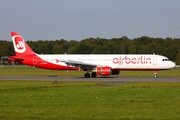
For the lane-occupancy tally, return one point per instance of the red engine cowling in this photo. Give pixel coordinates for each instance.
(104, 71)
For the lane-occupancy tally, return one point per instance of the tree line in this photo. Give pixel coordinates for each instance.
(169, 47)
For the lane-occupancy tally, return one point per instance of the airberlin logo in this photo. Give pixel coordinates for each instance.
(19, 44)
(135, 60)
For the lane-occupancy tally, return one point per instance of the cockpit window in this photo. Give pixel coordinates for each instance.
(165, 60)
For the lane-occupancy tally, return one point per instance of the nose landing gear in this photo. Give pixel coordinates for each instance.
(155, 74)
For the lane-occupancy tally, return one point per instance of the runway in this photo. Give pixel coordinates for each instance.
(98, 79)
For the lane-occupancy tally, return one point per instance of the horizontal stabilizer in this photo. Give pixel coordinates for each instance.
(15, 59)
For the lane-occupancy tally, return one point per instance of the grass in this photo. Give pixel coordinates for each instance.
(25, 70)
(23, 100)
(27, 100)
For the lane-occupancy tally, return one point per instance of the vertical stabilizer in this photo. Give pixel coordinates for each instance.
(20, 46)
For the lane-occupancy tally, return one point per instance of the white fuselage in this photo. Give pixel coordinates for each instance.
(115, 61)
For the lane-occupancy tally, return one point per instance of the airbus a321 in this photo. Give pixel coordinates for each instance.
(93, 64)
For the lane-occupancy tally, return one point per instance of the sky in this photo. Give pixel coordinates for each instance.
(81, 19)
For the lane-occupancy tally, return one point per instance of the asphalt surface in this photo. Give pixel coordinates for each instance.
(122, 79)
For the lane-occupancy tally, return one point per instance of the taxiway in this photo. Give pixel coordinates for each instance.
(98, 79)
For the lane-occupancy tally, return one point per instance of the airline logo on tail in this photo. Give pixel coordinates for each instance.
(19, 44)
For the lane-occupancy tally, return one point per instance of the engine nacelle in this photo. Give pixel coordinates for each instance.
(104, 71)
(115, 72)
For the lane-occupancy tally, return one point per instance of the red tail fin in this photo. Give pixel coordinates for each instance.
(20, 46)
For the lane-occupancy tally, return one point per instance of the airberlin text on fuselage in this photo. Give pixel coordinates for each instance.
(133, 60)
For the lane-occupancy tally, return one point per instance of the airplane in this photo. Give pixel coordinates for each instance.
(96, 64)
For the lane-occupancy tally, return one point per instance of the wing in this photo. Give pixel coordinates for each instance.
(82, 65)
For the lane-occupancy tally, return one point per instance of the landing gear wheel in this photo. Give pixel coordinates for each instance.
(155, 76)
(87, 75)
(93, 74)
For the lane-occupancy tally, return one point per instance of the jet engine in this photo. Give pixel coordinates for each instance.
(115, 72)
(104, 71)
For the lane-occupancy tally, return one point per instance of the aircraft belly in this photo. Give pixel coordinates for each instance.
(134, 67)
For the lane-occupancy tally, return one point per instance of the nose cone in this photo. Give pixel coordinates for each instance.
(172, 65)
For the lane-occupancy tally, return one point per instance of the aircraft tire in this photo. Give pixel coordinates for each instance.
(87, 75)
(93, 74)
(155, 76)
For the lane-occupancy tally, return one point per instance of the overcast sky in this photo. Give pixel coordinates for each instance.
(81, 19)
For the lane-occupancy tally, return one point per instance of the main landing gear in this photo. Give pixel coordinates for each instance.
(87, 75)
(155, 74)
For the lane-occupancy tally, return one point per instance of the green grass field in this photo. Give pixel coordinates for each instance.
(27, 100)
(25, 70)
(21, 100)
